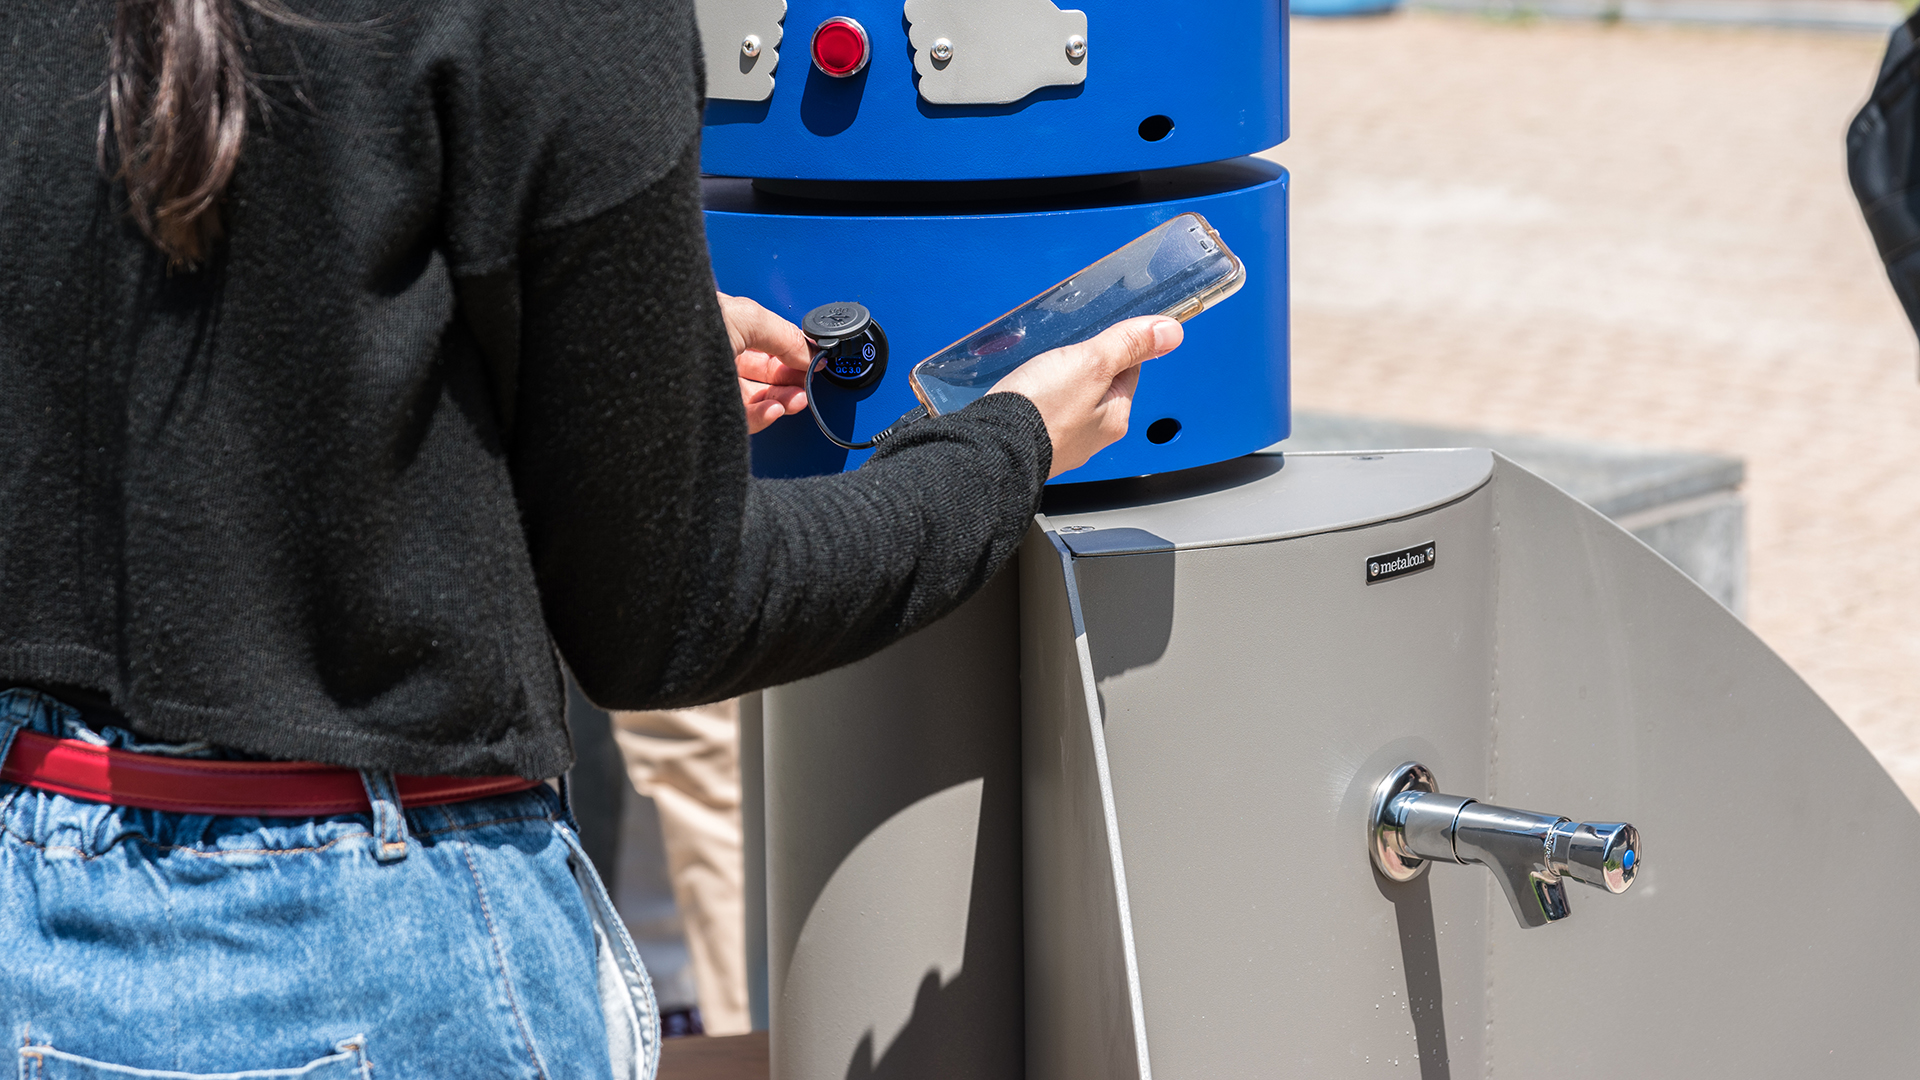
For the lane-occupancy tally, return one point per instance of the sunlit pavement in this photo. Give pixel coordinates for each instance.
(1640, 234)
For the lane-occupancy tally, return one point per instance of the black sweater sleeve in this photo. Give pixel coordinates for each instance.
(668, 574)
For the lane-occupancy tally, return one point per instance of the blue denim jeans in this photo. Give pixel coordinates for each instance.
(464, 941)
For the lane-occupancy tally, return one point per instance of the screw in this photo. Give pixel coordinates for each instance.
(1076, 46)
(942, 50)
(750, 45)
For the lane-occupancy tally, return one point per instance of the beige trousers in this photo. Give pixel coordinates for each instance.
(688, 762)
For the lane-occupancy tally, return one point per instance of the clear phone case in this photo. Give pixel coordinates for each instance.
(1180, 268)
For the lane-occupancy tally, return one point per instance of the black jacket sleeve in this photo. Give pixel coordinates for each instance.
(668, 574)
(1883, 162)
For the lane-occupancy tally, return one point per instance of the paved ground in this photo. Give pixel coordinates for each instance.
(1639, 234)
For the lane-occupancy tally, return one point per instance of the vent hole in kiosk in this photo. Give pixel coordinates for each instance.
(1155, 128)
(1162, 431)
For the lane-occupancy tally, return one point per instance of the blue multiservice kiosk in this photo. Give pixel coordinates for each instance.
(1192, 788)
(943, 161)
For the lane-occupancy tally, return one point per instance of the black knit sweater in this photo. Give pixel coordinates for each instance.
(456, 392)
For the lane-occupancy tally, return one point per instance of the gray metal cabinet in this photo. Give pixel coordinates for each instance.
(1209, 688)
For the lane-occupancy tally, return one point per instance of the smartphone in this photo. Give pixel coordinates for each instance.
(1180, 268)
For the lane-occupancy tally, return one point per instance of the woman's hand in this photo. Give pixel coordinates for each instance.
(770, 357)
(1085, 392)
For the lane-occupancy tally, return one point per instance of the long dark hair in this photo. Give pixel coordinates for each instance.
(176, 114)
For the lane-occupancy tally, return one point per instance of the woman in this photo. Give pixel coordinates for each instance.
(333, 401)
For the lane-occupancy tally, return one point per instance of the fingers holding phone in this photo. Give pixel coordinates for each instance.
(1085, 392)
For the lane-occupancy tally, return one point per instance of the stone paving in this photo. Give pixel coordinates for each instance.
(1640, 234)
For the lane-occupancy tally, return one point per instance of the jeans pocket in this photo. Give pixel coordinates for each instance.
(348, 1061)
(626, 993)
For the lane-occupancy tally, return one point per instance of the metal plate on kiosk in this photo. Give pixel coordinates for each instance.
(994, 52)
(742, 42)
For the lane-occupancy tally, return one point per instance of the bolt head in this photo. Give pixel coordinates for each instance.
(942, 50)
(750, 45)
(1076, 46)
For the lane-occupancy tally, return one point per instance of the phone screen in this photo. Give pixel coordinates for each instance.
(1180, 268)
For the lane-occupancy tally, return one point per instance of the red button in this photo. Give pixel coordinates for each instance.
(840, 47)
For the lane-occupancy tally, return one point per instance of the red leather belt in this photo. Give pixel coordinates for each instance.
(235, 788)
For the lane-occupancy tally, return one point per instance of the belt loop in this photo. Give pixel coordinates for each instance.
(566, 801)
(389, 819)
(9, 727)
(16, 713)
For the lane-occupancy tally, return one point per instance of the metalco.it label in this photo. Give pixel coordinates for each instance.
(1400, 563)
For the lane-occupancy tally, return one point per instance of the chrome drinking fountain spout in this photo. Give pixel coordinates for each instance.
(1530, 854)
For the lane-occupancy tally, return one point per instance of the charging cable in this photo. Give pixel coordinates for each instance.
(918, 413)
